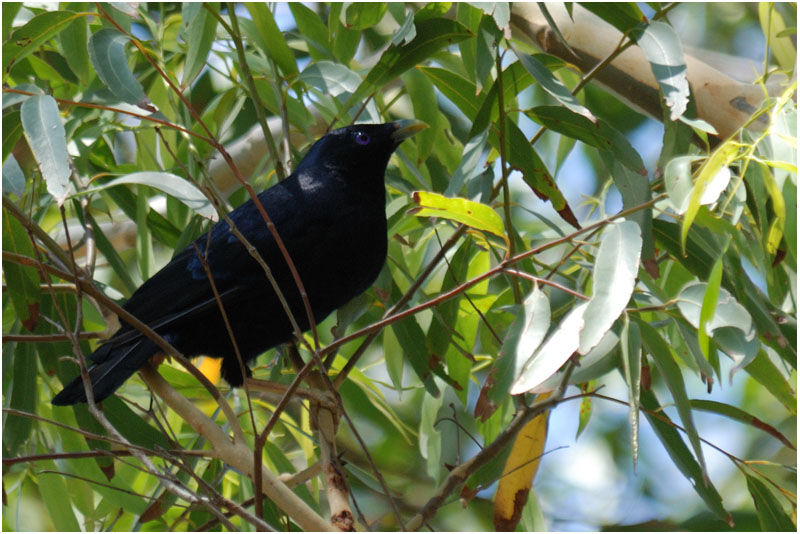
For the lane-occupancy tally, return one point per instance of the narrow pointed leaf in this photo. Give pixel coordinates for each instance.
(671, 373)
(631, 345)
(552, 354)
(432, 36)
(473, 214)
(683, 459)
(519, 472)
(615, 273)
(662, 47)
(45, 133)
(553, 85)
(171, 184)
(110, 60)
(33, 34)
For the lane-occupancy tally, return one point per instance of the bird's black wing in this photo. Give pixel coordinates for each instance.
(180, 292)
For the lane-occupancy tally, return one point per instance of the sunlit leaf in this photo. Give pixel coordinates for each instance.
(663, 49)
(552, 354)
(474, 214)
(171, 184)
(615, 273)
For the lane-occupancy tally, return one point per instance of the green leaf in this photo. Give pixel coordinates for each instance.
(171, 184)
(46, 137)
(112, 256)
(110, 60)
(13, 178)
(635, 190)
(412, 340)
(553, 86)
(631, 345)
(24, 394)
(727, 312)
(312, 30)
(432, 36)
(624, 16)
(144, 241)
(721, 157)
(22, 281)
(274, 44)
(678, 182)
(330, 78)
(709, 305)
(662, 47)
(552, 354)
(53, 489)
(771, 515)
(12, 129)
(522, 156)
(597, 134)
(773, 24)
(536, 314)
(200, 31)
(768, 375)
(615, 273)
(459, 90)
(683, 459)
(473, 214)
(671, 373)
(34, 34)
(363, 15)
(737, 414)
(73, 41)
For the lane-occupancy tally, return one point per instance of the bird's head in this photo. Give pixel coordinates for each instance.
(359, 151)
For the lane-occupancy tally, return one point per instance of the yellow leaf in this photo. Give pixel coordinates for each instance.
(519, 472)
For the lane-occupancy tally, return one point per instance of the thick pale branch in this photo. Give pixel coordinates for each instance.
(235, 453)
(722, 101)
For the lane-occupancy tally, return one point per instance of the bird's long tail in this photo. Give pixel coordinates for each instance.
(113, 364)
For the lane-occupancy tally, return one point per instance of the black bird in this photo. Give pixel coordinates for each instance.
(330, 213)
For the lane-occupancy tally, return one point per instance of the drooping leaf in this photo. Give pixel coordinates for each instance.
(536, 311)
(13, 178)
(274, 42)
(662, 47)
(771, 515)
(45, 133)
(74, 46)
(200, 28)
(522, 156)
(553, 85)
(658, 348)
(615, 273)
(721, 157)
(519, 472)
(631, 345)
(110, 61)
(171, 184)
(681, 456)
(552, 354)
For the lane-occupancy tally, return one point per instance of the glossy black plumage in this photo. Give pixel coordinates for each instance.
(330, 215)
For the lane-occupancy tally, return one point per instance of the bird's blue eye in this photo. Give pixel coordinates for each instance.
(362, 138)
